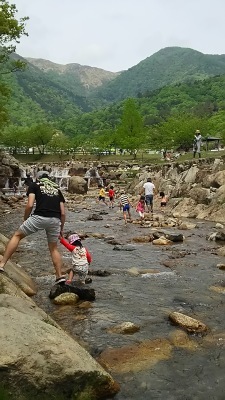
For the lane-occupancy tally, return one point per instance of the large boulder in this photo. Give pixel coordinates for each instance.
(200, 195)
(77, 169)
(218, 179)
(19, 276)
(9, 169)
(77, 185)
(39, 360)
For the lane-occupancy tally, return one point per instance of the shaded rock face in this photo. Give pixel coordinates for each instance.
(77, 169)
(10, 170)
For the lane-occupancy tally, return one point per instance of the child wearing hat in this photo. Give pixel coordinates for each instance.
(81, 258)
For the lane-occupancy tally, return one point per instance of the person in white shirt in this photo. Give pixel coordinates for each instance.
(149, 190)
(197, 144)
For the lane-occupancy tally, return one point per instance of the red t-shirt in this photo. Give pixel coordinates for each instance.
(111, 193)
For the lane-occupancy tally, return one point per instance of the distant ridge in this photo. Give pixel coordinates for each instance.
(168, 66)
(55, 92)
(90, 77)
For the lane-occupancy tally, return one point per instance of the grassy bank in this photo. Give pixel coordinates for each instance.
(141, 158)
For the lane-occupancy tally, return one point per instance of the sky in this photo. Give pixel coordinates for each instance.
(117, 34)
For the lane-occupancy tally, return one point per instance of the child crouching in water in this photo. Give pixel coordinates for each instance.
(81, 258)
(140, 208)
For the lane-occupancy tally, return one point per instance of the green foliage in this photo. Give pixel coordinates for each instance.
(41, 135)
(59, 143)
(130, 130)
(176, 132)
(11, 30)
(13, 137)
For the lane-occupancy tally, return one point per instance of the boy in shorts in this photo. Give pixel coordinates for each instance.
(125, 204)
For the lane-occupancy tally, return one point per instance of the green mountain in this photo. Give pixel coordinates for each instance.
(66, 94)
(168, 66)
(36, 97)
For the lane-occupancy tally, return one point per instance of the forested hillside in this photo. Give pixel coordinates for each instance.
(192, 100)
(166, 67)
(54, 92)
(200, 98)
(36, 97)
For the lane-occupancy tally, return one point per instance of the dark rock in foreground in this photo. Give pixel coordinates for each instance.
(99, 272)
(83, 293)
(95, 217)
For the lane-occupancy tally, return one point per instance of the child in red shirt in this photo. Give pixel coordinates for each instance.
(81, 258)
(111, 197)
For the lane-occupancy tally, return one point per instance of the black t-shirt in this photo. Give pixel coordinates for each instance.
(48, 198)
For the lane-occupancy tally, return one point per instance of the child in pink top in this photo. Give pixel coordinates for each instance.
(140, 208)
(81, 258)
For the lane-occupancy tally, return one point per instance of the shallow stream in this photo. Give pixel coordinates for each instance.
(189, 371)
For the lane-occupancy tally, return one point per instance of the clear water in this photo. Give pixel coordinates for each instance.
(145, 300)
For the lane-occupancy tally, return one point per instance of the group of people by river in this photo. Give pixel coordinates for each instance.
(49, 215)
(145, 201)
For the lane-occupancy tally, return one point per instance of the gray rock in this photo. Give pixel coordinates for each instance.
(124, 247)
(94, 217)
(77, 185)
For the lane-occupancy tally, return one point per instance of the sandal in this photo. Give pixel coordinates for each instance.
(2, 270)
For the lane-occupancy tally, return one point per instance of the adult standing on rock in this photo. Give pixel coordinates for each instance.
(197, 144)
(49, 215)
(149, 190)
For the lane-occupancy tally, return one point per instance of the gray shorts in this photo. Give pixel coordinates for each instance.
(36, 223)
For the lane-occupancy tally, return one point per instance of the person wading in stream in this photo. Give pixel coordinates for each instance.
(49, 215)
(149, 190)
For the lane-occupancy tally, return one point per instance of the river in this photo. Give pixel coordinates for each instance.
(193, 370)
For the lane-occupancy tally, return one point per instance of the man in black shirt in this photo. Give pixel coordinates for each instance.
(27, 181)
(49, 215)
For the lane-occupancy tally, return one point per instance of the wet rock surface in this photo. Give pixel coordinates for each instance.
(179, 277)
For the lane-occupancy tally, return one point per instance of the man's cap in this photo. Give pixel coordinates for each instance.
(197, 131)
(73, 238)
(42, 174)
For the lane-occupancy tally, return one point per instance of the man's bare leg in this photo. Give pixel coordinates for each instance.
(56, 259)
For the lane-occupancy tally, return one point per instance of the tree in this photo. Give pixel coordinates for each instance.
(101, 142)
(178, 133)
(11, 30)
(130, 134)
(13, 137)
(59, 143)
(41, 136)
